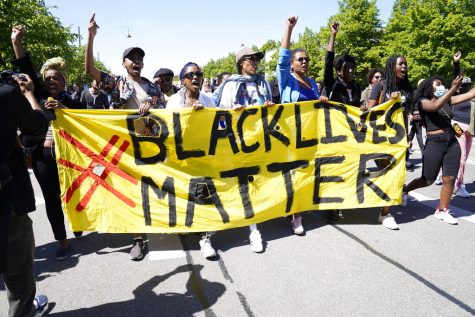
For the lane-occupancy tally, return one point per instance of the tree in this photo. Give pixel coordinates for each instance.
(76, 67)
(429, 32)
(360, 35)
(225, 64)
(45, 36)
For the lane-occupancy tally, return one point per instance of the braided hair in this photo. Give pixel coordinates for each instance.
(392, 83)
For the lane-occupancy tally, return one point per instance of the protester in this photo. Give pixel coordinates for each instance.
(17, 199)
(294, 85)
(343, 87)
(441, 148)
(416, 126)
(53, 95)
(94, 98)
(164, 78)
(247, 88)
(136, 92)
(75, 92)
(221, 78)
(461, 118)
(206, 89)
(189, 95)
(320, 85)
(374, 76)
(395, 84)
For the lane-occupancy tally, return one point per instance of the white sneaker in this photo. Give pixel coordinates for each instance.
(445, 216)
(404, 199)
(256, 241)
(438, 181)
(462, 192)
(297, 225)
(206, 247)
(388, 221)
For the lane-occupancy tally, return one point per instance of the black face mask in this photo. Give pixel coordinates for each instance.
(464, 88)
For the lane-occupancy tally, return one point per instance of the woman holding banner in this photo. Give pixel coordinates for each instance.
(52, 95)
(442, 148)
(189, 95)
(247, 88)
(294, 85)
(395, 83)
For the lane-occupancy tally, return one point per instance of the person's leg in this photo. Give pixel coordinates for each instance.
(432, 157)
(419, 138)
(465, 141)
(450, 168)
(18, 274)
(46, 172)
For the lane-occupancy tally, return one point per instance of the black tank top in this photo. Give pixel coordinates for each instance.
(437, 120)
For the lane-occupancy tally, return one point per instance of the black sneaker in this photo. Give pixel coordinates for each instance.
(136, 253)
(335, 215)
(63, 253)
(41, 304)
(77, 233)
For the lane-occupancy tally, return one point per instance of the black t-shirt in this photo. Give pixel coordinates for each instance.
(378, 88)
(436, 120)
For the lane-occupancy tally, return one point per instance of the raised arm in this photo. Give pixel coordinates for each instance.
(291, 22)
(456, 71)
(334, 30)
(18, 32)
(89, 56)
(455, 100)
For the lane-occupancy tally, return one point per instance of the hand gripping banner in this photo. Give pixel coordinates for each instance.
(213, 169)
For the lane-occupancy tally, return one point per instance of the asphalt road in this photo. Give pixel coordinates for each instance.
(353, 267)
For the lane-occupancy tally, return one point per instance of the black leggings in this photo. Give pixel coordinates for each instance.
(441, 150)
(46, 172)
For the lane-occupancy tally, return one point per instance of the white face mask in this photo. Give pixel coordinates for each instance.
(439, 91)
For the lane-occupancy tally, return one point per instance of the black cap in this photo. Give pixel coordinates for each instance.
(130, 50)
(163, 72)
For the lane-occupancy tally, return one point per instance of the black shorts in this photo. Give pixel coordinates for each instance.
(441, 150)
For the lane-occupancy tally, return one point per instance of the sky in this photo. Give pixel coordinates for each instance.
(174, 33)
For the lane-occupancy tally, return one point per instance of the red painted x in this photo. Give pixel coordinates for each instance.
(97, 159)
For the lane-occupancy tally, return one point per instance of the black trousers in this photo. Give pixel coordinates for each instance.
(18, 272)
(46, 172)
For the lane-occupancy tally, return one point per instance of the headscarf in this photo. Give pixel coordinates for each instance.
(182, 71)
(55, 63)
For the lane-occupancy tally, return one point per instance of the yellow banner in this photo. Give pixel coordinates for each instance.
(213, 169)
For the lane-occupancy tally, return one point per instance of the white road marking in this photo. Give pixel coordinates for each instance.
(459, 213)
(164, 247)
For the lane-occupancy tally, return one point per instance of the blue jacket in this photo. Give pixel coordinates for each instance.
(288, 86)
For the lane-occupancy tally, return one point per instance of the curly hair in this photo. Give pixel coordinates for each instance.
(55, 63)
(425, 90)
(340, 60)
(372, 72)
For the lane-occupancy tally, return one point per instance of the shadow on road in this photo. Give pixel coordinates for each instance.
(149, 303)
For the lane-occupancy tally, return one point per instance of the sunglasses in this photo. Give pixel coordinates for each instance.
(251, 58)
(190, 75)
(377, 77)
(302, 59)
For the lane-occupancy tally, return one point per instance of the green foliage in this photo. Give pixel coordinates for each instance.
(360, 35)
(225, 64)
(76, 70)
(429, 32)
(45, 36)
